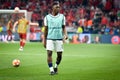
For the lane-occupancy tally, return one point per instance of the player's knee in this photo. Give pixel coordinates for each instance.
(59, 56)
(49, 53)
(24, 41)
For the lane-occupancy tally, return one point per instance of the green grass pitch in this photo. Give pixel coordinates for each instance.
(80, 62)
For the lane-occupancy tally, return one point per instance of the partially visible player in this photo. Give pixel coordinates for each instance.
(9, 30)
(54, 33)
(22, 30)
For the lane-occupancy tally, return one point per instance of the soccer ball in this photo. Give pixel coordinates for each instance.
(16, 9)
(16, 62)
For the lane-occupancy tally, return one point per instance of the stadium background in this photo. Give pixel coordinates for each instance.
(96, 20)
(80, 61)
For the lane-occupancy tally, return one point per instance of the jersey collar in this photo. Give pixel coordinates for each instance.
(55, 16)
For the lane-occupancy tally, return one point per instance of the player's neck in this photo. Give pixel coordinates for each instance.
(54, 14)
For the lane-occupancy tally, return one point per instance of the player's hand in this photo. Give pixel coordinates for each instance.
(65, 37)
(37, 24)
(44, 43)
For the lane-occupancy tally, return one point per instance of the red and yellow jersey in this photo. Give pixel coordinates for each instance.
(22, 25)
(10, 25)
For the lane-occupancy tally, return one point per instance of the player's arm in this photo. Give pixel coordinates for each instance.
(65, 32)
(45, 35)
(15, 24)
(45, 31)
(64, 29)
(34, 23)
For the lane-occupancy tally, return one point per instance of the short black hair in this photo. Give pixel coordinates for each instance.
(55, 3)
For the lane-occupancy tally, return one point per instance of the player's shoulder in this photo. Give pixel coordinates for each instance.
(47, 15)
(58, 15)
(61, 14)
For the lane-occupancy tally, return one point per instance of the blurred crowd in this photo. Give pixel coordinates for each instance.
(88, 16)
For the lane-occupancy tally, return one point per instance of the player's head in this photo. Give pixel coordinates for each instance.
(56, 6)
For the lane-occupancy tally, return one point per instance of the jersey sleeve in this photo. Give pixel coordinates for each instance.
(64, 20)
(45, 21)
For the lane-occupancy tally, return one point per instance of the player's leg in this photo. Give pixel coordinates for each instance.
(59, 50)
(22, 41)
(49, 61)
(20, 36)
(21, 48)
(58, 60)
(12, 37)
(22, 44)
(8, 35)
(49, 48)
(5, 37)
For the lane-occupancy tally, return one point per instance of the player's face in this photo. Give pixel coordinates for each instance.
(56, 8)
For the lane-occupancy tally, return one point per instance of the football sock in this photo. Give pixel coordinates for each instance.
(50, 67)
(9, 38)
(20, 43)
(56, 64)
(23, 44)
